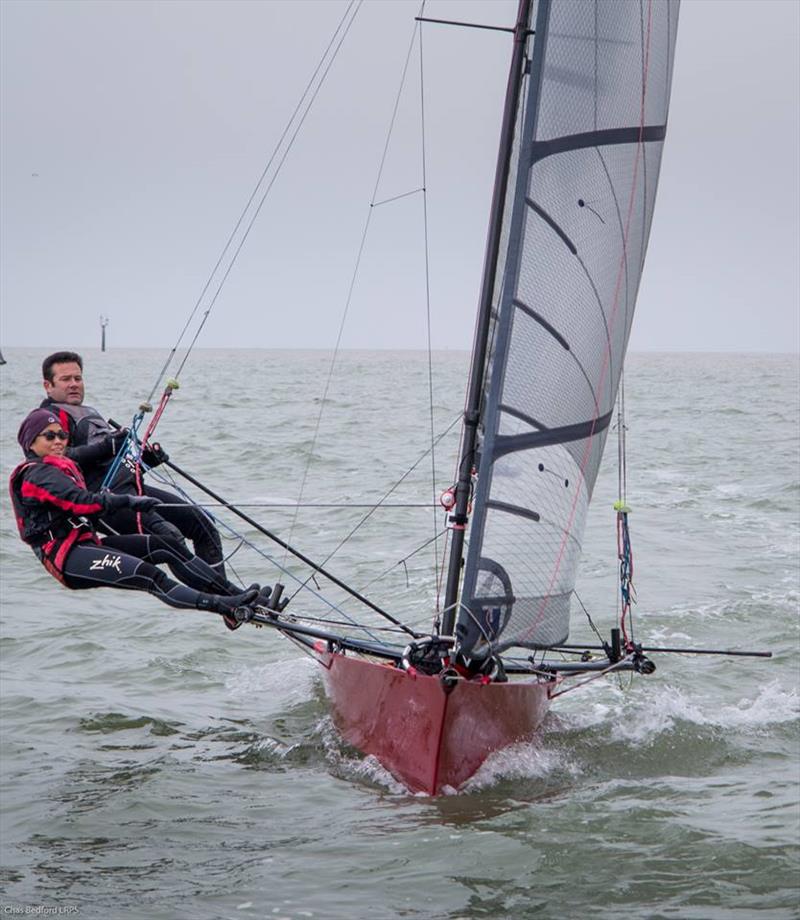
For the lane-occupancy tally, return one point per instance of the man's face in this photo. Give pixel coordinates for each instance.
(67, 384)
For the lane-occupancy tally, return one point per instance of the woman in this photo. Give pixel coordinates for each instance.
(51, 504)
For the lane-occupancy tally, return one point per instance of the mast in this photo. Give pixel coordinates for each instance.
(472, 410)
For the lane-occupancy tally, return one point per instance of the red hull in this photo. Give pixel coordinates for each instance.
(426, 738)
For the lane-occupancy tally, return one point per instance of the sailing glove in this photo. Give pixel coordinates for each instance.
(154, 455)
(142, 502)
(115, 502)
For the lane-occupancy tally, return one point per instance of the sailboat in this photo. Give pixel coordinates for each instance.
(583, 129)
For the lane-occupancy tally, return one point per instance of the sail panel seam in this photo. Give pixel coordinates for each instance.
(538, 209)
(605, 320)
(562, 342)
(542, 322)
(574, 250)
(621, 234)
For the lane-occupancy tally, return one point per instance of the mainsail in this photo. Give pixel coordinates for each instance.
(584, 170)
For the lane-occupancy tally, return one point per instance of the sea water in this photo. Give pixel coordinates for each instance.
(156, 766)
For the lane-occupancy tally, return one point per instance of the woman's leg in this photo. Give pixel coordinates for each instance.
(187, 568)
(93, 566)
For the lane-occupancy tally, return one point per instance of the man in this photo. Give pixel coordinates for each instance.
(93, 445)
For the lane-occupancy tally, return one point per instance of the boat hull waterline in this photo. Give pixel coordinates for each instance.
(429, 739)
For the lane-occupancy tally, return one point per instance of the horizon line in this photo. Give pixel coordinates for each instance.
(633, 351)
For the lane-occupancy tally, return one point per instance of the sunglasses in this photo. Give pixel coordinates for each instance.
(52, 435)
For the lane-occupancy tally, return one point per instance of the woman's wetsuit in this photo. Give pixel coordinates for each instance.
(51, 505)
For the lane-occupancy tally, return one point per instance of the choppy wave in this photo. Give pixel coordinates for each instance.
(534, 760)
(350, 764)
(279, 684)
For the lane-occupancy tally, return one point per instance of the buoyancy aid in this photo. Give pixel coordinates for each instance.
(84, 424)
(49, 512)
(90, 446)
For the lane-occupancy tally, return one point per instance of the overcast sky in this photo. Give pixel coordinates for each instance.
(134, 132)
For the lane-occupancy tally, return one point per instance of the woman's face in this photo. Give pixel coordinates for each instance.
(56, 446)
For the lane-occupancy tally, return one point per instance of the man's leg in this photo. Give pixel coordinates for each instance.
(125, 521)
(193, 523)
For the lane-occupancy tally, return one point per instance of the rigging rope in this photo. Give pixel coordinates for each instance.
(231, 250)
(403, 561)
(293, 505)
(307, 98)
(428, 312)
(351, 288)
(616, 666)
(375, 507)
(622, 463)
(624, 551)
(626, 588)
(588, 617)
(344, 29)
(119, 458)
(172, 482)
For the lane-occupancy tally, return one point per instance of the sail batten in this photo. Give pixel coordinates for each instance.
(610, 137)
(586, 159)
(579, 431)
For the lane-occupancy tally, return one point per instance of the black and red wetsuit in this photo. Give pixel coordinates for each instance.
(91, 446)
(52, 508)
(50, 503)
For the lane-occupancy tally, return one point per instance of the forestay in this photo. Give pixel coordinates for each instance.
(584, 172)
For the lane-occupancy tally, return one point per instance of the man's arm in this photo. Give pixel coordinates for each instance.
(89, 455)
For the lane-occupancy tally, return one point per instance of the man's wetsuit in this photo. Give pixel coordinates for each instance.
(93, 445)
(51, 504)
